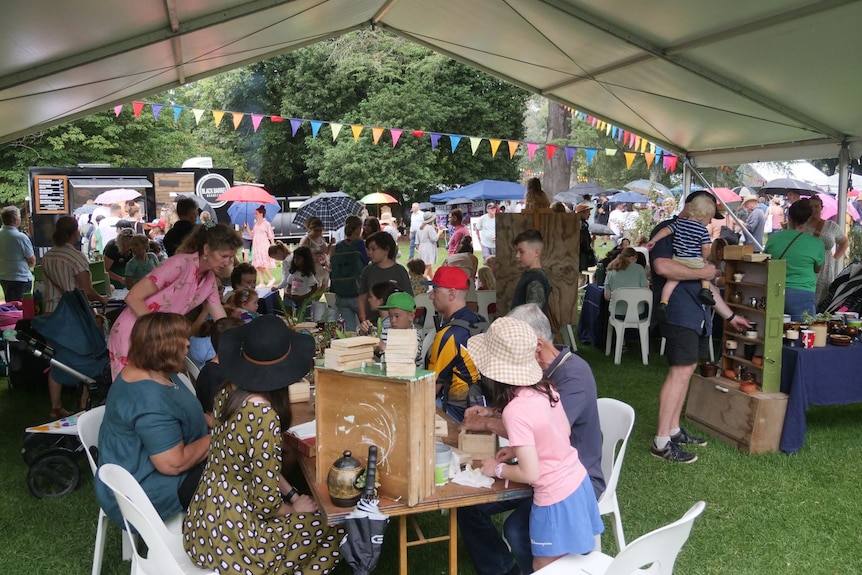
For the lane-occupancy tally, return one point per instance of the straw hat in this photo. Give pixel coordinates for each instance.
(507, 353)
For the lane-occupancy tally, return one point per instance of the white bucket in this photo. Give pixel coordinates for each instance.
(318, 310)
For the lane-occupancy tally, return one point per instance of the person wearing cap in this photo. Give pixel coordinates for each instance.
(686, 327)
(574, 380)
(457, 378)
(756, 220)
(486, 231)
(564, 516)
(533, 286)
(402, 311)
(417, 217)
(426, 240)
(245, 517)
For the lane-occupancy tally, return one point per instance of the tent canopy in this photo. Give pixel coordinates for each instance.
(496, 190)
(725, 82)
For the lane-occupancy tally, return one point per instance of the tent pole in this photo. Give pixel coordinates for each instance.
(843, 185)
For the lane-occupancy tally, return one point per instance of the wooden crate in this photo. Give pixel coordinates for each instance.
(751, 422)
(478, 445)
(356, 408)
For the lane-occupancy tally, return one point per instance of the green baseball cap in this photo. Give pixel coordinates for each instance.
(400, 300)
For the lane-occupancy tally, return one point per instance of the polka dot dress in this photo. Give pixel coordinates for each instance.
(231, 525)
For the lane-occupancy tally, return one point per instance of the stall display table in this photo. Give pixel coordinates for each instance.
(593, 319)
(820, 376)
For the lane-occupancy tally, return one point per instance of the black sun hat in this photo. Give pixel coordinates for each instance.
(265, 354)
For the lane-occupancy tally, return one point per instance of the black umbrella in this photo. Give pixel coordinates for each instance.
(781, 186)
(601, 230)
(365, 525)
(459, 202)
(203, 205)
(426, 206)
(331, 207)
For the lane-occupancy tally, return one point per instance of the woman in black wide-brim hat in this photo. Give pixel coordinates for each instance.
(245, 517)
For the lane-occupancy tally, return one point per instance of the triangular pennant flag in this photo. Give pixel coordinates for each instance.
(649, 159)
(607, 129)
(137, 107)
(549, 150)
(157, 109)
(615, 133)
(117, 109)
(644, 145)
(630, 157)
(570, 153)
(591, 155)
(336, 128)
(531, 149)
(376, 133)
(217, 116)
(276, 119)
(652, 147)
(513, 147)
(396, 134)
(295, 123)
(417, 133)
(237, 118)
(454, 141)
(631, 142)
(474, 143)
(177, 111)
(670, 163)
(356, 129)
(256, 120)
(434, 139)
(610, 151)
(315, 127)
(198, 113)
(495, 145)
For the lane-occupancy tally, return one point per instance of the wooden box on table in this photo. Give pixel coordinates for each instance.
(750, 421)
(357, 408)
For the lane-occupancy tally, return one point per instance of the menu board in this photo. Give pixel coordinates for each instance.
(52, 194)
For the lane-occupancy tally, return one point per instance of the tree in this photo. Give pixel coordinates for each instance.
(557, 169)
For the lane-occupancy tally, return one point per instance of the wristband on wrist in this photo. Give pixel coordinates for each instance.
(733, 315)
(289, 495)
(498, 471)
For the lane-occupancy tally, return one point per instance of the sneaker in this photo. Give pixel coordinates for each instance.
(673, 452)
(662, 312)
(705, 296)
(683, 437)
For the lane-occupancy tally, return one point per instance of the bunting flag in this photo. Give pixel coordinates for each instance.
(295, 124)
(513, 147)
(638, 145)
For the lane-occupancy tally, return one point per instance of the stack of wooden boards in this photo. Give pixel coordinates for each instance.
(402, 346)
(349, 353)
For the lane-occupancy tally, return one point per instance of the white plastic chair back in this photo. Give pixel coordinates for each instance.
(165, 552)
(426, 344)
(632, 297)
(187, 381)
(424, 301)
(657, 550)
(617, 419)
(192, 369)
(484, 298)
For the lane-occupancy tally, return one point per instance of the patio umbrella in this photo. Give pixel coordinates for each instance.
(459, 202)
(246, 193)
(646, 186)
(331, 207)
(628, 198)
(378, 198)
(830, 207)
(117, 196)
(783, 185)
(727, 195)
(242, 213)
(365, 525)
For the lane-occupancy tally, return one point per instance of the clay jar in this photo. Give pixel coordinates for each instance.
(341, 481)
(748, 387)
(757, 360)
(708, 369)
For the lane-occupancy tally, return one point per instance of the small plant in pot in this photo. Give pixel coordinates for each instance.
(819, 324)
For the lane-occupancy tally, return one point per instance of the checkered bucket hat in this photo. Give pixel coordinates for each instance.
(507, 353)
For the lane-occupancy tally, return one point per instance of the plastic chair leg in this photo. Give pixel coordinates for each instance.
(99, 548)
(618, 350)
(609, 338)
(618, 526)
(643, 331)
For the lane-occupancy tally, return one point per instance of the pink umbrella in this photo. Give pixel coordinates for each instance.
(830, 207)
(245, 193)
(727, 195)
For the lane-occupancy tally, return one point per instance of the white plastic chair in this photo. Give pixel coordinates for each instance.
(632, 297)
(484, 298)
(658, 549)
(617, 420)
(192, 370)
(165, 552)
(89, 423)
(424, 301)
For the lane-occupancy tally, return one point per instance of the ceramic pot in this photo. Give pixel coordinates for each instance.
(708, 369)
(821, 332)
(748, 387)
(341, 481)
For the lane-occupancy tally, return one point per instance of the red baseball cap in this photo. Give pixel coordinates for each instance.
(449, 277)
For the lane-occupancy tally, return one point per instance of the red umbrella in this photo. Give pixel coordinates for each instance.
(245, 193)
(727, 195)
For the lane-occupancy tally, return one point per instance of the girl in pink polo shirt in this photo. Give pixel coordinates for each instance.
(564, 517)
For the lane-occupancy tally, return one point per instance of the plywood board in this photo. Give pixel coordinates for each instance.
(561, 234)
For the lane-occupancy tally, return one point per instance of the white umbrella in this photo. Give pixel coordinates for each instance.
(116, 196)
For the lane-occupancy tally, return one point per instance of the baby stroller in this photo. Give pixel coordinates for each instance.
(79, 356)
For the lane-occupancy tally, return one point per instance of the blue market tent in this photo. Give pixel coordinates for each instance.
(485, 190)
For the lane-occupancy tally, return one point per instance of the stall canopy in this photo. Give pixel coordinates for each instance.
(496, 190)
(724, 82)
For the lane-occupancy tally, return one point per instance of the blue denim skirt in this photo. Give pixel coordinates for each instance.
(797, 301)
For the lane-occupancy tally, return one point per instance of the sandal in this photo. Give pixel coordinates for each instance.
(58, 413)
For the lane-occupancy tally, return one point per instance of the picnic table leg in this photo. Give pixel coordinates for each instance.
(453, 541)
(402, 545)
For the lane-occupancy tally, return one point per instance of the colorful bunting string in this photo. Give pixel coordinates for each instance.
(637, 146)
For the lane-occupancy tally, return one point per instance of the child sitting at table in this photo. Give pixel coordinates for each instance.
(142, 261)
(156, 248)
(301, 281)
(281, 252)
(416, 271)
(377, 296)
(245, 301)
(210, 379)
(400, 308)
(243, 276)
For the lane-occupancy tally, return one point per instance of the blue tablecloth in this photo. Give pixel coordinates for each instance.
(821, 376)
(593, 320)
